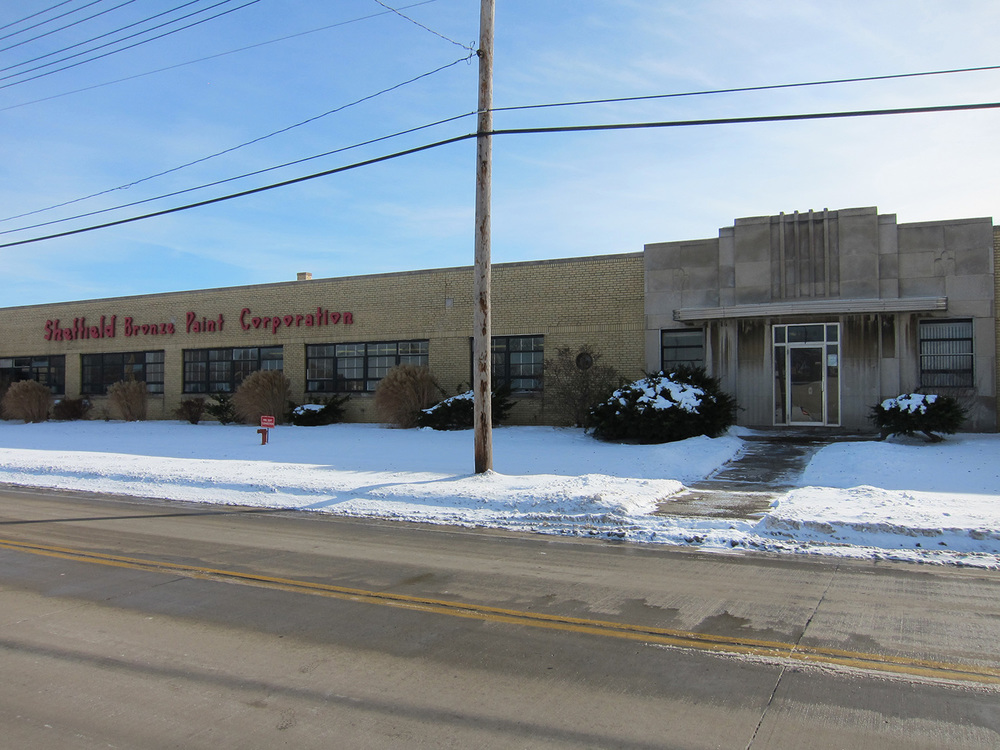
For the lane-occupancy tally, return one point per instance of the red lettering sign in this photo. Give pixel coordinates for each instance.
(322, 317)
(108, 328)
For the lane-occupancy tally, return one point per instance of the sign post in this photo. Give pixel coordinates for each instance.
(266, 423)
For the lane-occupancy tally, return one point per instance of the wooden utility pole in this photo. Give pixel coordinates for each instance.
(482, 387)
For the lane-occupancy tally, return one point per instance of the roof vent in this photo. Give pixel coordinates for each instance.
(304, 276)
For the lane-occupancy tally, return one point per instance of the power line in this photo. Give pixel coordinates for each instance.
(123, 49)
(247, 143)
(67, 26)
(50, 20)
(245, 193)
(210, 57)
(100, 36)
(238, 177)
(744, 89)
(748, 120)
(513, 108)
(35, 15)
(468, 47)
(521, 131)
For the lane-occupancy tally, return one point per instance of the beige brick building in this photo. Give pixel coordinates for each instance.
(333, 335)
(809, 319)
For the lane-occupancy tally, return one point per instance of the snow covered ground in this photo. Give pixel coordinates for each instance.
(895, 500)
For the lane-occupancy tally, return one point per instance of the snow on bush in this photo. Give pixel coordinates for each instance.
(458, 412)
(910, 413)
(664, 408)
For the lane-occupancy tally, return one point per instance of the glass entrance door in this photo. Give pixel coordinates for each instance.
(806, 387)
(807, 374)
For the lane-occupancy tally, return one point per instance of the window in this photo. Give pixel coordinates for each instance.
(518, 362)
(50, 370)
(222, 370)
(338, 368)
(681, 348)
(100, 371)
(946, 354)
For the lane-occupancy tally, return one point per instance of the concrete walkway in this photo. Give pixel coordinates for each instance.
(768, 466)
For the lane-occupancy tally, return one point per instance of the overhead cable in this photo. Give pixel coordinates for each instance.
(209, 57)
(247, 143)
(48, 20)
(742, 89)
(468, 47)
(101, 36)
(122, 49)
(67, 26)
(237, 177)
(519, 131)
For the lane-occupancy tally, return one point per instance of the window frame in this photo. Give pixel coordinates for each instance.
(358, 366)
(99, 371)
(691, 333)
(47, 369)
(933, 377)
(206, 369)
(502, 368)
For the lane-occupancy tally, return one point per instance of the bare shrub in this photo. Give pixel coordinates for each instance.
(575, 382)
(191, 409)
(262, 392)
(70, 408)
(403, 392)
(128, 399)
(27, 400)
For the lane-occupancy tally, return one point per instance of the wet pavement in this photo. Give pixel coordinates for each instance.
(769, 465)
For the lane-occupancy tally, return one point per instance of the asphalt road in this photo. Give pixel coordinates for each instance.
(145, 624)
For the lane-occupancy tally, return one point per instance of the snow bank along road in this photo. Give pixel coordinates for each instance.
(897, 500)
(121, 626)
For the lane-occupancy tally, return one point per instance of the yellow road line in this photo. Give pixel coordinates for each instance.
(660, 636)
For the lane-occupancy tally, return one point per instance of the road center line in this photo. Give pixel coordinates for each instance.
(661, 636)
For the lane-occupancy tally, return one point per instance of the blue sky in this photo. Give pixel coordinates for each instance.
(554, 195)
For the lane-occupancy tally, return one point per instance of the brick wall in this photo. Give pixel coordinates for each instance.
(572, 302)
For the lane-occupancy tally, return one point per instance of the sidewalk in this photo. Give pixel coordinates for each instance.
(767, 467)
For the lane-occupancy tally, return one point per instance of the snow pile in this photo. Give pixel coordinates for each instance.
(899, 499)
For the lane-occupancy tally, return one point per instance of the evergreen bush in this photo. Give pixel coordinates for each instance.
(458, 412)
(910, 413)
(330, 411)
(221, 408)
(403, 392)
(67, 409)
(27, 400)
(191, 410)
(262, 392)
(129, 399)
(664, 408)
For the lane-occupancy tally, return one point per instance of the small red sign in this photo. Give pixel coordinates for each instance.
(266, 421)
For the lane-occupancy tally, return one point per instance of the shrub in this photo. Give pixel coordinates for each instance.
(661, 409)
(329, 411)
(70, 408)
(458, 412)
(262, 392)
(4, 385)
(222, 408)
(191, 409)
(128, 398)
(575, 382)
(910, 413)
(27, 400)
(403, 392)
